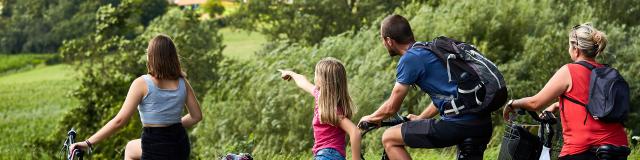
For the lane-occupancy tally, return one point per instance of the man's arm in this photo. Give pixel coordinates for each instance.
(391, 106)
(429, 112)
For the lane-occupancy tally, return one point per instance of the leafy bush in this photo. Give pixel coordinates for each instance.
(255, 111)
(110, 62)
(307, 22)
(41, 26)
(9, 63)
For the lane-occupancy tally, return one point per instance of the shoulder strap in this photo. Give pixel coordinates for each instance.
(573, 100)
(585, 64)
(150, 85)
(419, 45)
(182, 84)
(576, 102)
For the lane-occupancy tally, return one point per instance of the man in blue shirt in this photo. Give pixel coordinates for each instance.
(419, 66)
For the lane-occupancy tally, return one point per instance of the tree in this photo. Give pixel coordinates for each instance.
(309, 21)
(42, 26)
(213, 7)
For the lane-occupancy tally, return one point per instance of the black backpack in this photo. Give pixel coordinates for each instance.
(608, 94)
(481, 87)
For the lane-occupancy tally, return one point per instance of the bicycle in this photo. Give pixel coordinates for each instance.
(519, 143)
(367, 126)
(76, 153)
(468, 148)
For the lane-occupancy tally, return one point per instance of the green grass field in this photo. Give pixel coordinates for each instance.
(241, 44)
(32, 103)
(18, 62)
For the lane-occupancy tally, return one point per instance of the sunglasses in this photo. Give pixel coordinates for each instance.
(576, 27)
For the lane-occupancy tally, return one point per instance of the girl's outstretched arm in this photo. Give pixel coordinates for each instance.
(354, 137)
(300, 80)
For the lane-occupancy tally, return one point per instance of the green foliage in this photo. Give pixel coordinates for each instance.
(41, 26)
(213, 7)
(308, 22)
(11, 63)
(109, 62)
(264, 111)
(254, 110)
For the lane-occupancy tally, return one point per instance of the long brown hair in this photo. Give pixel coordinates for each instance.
(334, 93)
(163, 62)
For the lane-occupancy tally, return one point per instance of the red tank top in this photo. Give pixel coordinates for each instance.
(579, 130)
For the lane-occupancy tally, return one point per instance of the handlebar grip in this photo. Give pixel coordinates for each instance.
(71, 135)
(534, 115)
(364, 125)
(394, 122)
(547, 117)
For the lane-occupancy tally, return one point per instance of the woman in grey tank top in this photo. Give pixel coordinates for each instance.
(159, 97)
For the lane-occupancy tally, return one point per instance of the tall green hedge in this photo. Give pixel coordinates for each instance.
(251, 109)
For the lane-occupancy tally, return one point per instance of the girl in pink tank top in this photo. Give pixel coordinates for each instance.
(331, 112)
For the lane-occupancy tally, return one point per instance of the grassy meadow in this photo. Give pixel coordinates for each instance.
(14, 63)
(32, 103)
(241, 44)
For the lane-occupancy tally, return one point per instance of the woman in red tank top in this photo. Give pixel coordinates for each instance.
(580, 131)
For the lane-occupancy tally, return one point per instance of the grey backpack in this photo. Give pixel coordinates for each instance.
(481, 87)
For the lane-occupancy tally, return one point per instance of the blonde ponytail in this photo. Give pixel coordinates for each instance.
(600, 40)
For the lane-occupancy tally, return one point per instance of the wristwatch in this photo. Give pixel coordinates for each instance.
(509, 104)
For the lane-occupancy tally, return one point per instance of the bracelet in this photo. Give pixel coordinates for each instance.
(89, 144)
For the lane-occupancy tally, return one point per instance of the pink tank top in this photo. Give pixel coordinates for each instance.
(326, 135)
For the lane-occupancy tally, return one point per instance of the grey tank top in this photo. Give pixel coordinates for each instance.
(162, 106)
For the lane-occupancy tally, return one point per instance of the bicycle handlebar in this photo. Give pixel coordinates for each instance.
(71, 154)
(368, 126)
(547, 117)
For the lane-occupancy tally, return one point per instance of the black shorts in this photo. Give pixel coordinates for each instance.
(431, 133)
(169, 143)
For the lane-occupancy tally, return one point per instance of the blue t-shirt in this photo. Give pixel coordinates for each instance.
(422, 67)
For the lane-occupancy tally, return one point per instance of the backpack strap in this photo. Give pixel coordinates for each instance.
(576, 102)
(573, 100)
(585, 64)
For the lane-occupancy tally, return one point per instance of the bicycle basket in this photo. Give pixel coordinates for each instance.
(519, 144)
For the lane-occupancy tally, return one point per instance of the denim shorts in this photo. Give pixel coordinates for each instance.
(328, 154)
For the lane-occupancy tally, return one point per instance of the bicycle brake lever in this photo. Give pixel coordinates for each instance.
(549, 118)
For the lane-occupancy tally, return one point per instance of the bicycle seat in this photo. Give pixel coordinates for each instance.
(611, 152)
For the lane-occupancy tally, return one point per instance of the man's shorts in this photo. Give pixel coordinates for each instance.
(431, 133)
